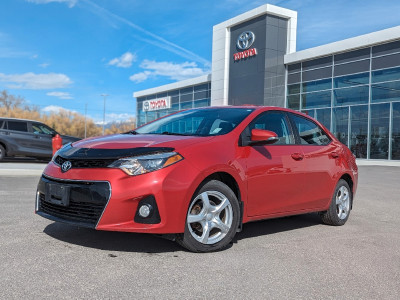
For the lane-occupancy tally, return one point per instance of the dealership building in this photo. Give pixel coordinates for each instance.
(351, 86)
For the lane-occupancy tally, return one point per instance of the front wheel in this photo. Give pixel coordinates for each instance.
(212, 218)
(339, 210)
(2, 152)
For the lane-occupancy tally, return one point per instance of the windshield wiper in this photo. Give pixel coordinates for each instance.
(174, 133)
(131, 132)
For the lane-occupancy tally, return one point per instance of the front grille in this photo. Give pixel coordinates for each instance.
(87, 201)
(84, 163)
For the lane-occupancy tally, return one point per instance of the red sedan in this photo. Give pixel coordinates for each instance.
(200, 174)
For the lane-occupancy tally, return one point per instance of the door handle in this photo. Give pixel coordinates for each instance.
(297, 156)
(334, 155)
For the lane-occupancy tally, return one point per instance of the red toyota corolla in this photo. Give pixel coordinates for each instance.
(200, 174)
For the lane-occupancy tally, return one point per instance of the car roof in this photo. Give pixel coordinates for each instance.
(257, 108)
(17, 119)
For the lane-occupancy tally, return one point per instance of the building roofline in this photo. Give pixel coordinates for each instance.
(173, 86)
(256, 12)
(361, 41)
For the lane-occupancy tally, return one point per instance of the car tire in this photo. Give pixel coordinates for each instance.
(212, 218)
(2, 152)
(340, 207)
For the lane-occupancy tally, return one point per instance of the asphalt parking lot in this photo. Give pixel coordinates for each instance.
(288, 258)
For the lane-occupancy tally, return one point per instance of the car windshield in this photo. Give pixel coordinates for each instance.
(199, 122)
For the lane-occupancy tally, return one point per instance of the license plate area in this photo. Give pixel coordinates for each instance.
(57, 194)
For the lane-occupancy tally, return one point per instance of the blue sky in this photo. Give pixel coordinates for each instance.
(66, 53)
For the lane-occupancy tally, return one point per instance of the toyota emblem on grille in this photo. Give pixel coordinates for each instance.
(66, 166)
(245, 40)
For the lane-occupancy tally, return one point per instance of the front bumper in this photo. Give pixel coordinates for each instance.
(113, 197)
(79, 203)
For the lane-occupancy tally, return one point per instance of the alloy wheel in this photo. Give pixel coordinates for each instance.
(342, 202)
(210, 217)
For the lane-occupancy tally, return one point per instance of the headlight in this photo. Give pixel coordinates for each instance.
(146, 163)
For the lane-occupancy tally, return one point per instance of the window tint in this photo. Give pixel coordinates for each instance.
(386, 48)
(351, 56)
(201, 87)
(386, 61)
(350, 68)
(1, 124)
(317, 74)
(17, 126)
(276, 122)
(293, 78)
(294, 68)
(309, 132)
(317, 63)
(293, 89)
(294, 102)
(188, 97)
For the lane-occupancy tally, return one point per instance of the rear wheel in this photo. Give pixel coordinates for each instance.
(339, 210)
(2, 152)
(212, 218)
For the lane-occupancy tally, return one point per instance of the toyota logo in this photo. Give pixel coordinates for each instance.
(245, 40)
(146, 106)
(66, 166)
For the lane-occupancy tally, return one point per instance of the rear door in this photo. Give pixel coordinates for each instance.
(275, 172)
(20, 137)
(320, 157)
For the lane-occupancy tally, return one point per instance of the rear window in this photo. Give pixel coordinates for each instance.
(18, 126)
(309, 132)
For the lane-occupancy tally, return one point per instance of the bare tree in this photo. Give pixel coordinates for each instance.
(10, 101)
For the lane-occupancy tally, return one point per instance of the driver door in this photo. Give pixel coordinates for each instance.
(43, 139)
(275, 172)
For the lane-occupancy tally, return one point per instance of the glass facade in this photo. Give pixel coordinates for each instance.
(356, 95)
(187, 97)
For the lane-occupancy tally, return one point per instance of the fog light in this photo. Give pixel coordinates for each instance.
(145, 210)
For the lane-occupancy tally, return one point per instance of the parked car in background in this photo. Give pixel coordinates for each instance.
(200, 174)
(20, 137)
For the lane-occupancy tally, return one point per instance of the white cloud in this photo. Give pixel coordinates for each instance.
(44, 65)
(124, 61)
(61, 95)
(140, 77)
(55, 109)
(32, 81)
(171, 70)
(70, 3)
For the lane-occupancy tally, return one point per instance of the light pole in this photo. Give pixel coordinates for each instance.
(85, 118)
(104, 110)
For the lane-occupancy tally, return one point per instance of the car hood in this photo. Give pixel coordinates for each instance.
(125, 145)
(128, 141)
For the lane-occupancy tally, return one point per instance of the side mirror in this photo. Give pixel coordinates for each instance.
(263, 137)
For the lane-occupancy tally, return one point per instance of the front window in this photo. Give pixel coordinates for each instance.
(199, 122)
(42, 129)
